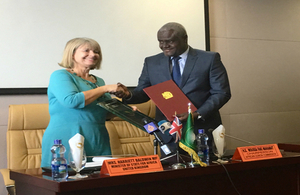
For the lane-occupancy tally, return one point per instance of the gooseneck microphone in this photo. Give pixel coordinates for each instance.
(236, 138)
(152, 128)
(242, 140)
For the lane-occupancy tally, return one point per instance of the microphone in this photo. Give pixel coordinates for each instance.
(152, 129)
(236, 138)
(164, 126)
(239, 139)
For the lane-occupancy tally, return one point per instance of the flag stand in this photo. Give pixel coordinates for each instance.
(178, 165)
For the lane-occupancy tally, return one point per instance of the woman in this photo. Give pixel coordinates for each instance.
(73, 95)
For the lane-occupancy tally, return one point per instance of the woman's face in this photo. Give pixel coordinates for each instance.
(86, 56)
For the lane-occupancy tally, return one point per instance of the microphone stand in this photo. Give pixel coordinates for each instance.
(174, 154)
(155, 144)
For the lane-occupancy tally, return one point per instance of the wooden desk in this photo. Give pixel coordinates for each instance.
(265, 177)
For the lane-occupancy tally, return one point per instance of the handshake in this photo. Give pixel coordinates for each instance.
(121, 91)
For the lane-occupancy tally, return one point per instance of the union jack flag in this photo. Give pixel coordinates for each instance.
(176, 128)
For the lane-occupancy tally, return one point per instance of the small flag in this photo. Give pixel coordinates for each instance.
(187, 142)
(176, 129)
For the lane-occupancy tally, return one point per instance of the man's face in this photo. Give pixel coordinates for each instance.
(171, 44)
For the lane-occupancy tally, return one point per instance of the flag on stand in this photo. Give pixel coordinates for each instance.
(176, 129)
(187, 142)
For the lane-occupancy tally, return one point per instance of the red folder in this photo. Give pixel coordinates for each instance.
(169, 98)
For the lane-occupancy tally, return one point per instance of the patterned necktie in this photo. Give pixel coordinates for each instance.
(176, 71)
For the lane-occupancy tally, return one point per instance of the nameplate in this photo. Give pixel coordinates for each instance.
(258, 152)
(131, 165)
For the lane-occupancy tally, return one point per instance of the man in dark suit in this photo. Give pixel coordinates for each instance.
(202, 78)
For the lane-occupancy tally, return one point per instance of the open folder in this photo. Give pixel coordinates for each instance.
(169, 98)
(125, 112)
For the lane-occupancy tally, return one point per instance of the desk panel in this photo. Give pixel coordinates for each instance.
(274, 176)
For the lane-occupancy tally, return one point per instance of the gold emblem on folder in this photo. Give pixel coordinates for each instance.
(167, 95)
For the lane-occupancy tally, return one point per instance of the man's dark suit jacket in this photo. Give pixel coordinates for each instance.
(204, 82)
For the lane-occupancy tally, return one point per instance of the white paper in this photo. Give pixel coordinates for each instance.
(219, 139)
(100, 159)
(77, 146)
(93, 164)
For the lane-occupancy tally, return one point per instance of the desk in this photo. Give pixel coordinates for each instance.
(265, 177)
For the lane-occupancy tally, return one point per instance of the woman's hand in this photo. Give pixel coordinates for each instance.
(111, 88)
(134, 108)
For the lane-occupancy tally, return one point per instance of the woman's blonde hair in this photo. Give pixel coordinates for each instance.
(72, 45)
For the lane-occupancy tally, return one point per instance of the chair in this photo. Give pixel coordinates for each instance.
(25, 129)
(125, 138)
(27, 124)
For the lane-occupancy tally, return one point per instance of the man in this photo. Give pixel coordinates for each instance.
(202, 78)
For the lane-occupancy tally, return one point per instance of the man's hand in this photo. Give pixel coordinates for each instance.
(183, 117)
(122, 91)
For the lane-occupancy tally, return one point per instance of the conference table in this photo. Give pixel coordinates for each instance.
(266, 177)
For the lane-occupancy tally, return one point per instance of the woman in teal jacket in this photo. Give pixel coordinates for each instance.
(73, 95)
